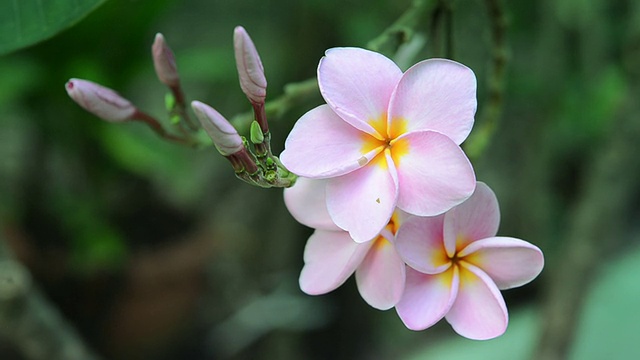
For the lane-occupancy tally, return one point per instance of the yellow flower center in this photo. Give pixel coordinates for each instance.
(388, 139)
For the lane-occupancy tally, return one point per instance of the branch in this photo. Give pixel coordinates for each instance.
(30, 322)
(401, 31)
(294, 93)
(490, 117)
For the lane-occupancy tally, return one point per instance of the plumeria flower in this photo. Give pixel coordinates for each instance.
(386, 139)
(331, 256)
(457, 267)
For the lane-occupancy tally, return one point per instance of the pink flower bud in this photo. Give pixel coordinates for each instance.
(164, 62)
(224, 135)
(100, 101)
(250, 70)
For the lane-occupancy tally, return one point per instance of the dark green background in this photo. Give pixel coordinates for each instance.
(154, 251)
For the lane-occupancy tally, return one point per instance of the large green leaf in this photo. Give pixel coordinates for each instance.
(25, 22)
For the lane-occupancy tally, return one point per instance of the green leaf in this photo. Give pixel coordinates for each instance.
(26, 22)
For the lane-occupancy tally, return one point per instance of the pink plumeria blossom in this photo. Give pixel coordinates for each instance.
(386, 139)
(331, 256)
(457, 267)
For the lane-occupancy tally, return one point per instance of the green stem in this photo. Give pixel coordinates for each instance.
(481, 136)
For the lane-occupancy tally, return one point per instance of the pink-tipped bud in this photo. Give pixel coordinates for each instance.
(224, 135)
(164, 62)
(250, 70)
(99, 100)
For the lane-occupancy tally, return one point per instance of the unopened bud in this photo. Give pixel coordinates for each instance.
(164, 62)
(250, 70)
(224, 135)
(99, 100)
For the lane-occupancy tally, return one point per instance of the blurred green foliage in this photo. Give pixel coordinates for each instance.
(154, 251)
(24, 23)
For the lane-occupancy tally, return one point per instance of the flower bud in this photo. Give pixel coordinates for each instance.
(100, 101)
(164, 62)
(250, 70)
(224, 135)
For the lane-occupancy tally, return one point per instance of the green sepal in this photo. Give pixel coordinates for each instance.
(257, 137)
(169, 102)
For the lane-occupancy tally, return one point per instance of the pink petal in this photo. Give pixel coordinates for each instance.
(479, 311)
(380, 277)
(508, 261)
(357, 84)
(307, 203)
(477, 218)
(434, 174)
(437, 95)
(419, 243)
(427, 298)
(322, 145)
(330, 257)
(362, 202)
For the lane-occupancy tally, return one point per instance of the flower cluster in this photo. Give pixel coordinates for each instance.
(393, 198)
(381, 177)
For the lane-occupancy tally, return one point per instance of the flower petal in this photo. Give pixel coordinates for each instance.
(357, 84)
(508, 261)
(381, 275)
(477, 218)
(436, 94)
(427, 298)
(307, 203)
(330, 258)
(322, 145)
(479, 311)
(362, 202)
(434, 174)
(419, 244)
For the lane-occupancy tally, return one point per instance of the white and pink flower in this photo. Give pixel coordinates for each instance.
(386, 139)
(457, 267)
(331, 256)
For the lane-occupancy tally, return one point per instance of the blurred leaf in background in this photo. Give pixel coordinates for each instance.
(26, 22)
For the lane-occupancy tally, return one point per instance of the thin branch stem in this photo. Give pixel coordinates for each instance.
(181, 107)
(490, 116)
(401, 30)
(30, 322)
(157, 127)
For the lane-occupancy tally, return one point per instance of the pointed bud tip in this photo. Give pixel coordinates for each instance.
(239, 30)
